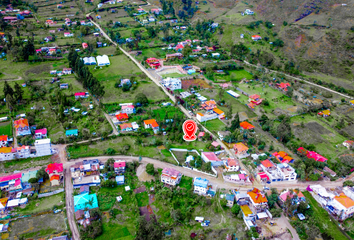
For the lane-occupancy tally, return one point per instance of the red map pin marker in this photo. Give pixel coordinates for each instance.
(189, 129)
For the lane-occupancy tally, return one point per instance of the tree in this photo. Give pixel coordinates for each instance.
(289, 92)
(110, 151)
(148, 230)
(348, 183)
(42, 174)
(142, 99)
(186, 51)
(150, 169)
(8, 89)
(223, 202)
(235, 209)
(33, 180)
(10, 102)
(235, 123)
(18, 94)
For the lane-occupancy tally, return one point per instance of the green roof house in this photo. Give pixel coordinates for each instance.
(28, 175)
(85, 201)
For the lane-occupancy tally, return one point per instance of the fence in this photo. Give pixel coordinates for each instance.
(236, 181)
(181, 150)
(50, 193)
(212, 168)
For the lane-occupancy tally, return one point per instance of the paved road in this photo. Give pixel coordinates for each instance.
(69, 199)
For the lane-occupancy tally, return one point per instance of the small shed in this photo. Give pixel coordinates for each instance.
(120, 180)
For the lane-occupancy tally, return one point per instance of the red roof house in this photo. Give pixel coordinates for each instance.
(84, 45)
(122, 116)
(246, 125)
(54, 168)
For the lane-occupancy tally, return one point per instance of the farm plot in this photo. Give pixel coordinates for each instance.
(202, 84)
(181, 155)
(6, 129)
(43, 226)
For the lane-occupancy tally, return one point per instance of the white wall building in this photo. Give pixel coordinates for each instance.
(43, 147)
(172, 83)
(287, 172)
(206, 117)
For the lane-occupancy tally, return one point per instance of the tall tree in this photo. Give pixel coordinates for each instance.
(18, 94)
(8, 89)
(10, 102)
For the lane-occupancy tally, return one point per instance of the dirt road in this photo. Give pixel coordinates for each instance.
(69, 199)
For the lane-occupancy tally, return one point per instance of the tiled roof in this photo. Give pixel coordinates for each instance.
(54, 167)
(211, 156)
(42, 131)
(246, 125)
(3, 138)
(218, 111)
(257, 196)
(151, 122)
(171, 172)
(267, 163)
(119, 164)
(54, 177)
(240, 147)
(22, 122)
(344, 200)
(125, 125)
(5, 149)
(10, 177)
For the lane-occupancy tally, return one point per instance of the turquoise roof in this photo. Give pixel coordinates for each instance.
(200, 182)
(28, 175)
(71, 132)
(83, 201)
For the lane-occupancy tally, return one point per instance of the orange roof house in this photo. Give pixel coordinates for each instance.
(22, 127)
(241, 150)
(5, 149)
(283, 86)
(267, 163)
(246, 125)
(282, 157)
(209, 105)
(218, 111)
(344, 200)
(55, 180)
(257, 198)
(151, 123)
(3, 138)
(325, 113)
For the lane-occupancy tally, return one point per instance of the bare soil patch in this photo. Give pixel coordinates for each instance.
(311, 133)
(187, 84)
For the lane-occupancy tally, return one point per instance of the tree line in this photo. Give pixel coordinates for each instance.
(84, 75)
(12, 96)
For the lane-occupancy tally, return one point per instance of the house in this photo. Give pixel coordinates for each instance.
(26, 176)
(64, 85)
(126, 127)
(3, 141)
(206, 117)
(312, 154)
(256, 37)
(119, 167)
(128, 109)
(209, 105)
(43, 147)
(22, 127)
(249, 12)
(68, 34)
(348, 144)
(67, 71)
(212, 158)
(351, 102)
(342, 206)
(84, 45)
(6, 153)
(232, 165)
(230, 200)
(330, 171)
(241, 150)
(55, 172)
(174, 56)
(125, 81)
(22, 152)
(171, 176)
(85, 189)
(103, 60)
(135, 126)
(152, 19)
(233, 94)
(79, 214)
(262, 177)
(11, 182)
(40, 133)
(246, 126)
(255, 99)
(85, 201)
(120, 180)
(122, 117)
(81, 95)
(220, 113)
(223, 134)
(89, 60)
(3, 203)
(287, 172)
(48, 39)
(156, 11)
(283, 86)
(258, 199)
(215, 55)
(90, 180)
(153, 62)
(151, 123)
(72, 132)
(200, 185)
(325, 113)
(172, 83)
(283, 157)
(201, 134)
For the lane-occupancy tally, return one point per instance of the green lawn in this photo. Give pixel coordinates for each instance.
(186, 182)
(166, 113)
(44, 204)
(323, 220)
(6, 129)
(235, 75)
(214, 125)
(142, 198)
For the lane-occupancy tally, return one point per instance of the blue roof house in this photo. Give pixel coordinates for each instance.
(230, 200)
(72, 132)
(85, 201)
(120, 180)
(200, 185)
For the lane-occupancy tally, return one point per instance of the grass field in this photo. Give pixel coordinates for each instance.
(186, 182)
(20, 164)
(6, 129)
(142, 198)
(41, 204)
(214, 125)
(235, 75)
(323, 220)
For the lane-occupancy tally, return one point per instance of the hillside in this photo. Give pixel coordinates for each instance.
(317, 34)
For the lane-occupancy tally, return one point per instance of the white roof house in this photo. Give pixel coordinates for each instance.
(103, 60)
(172, 83)
(89, 60)
(43, 147)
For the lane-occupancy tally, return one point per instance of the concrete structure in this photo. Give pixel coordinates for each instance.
(212, 158)
(232, 165)
(206, 117)
(171, 176)
(200, 185)
(172, 83)
(43, 147)
(22, 127)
